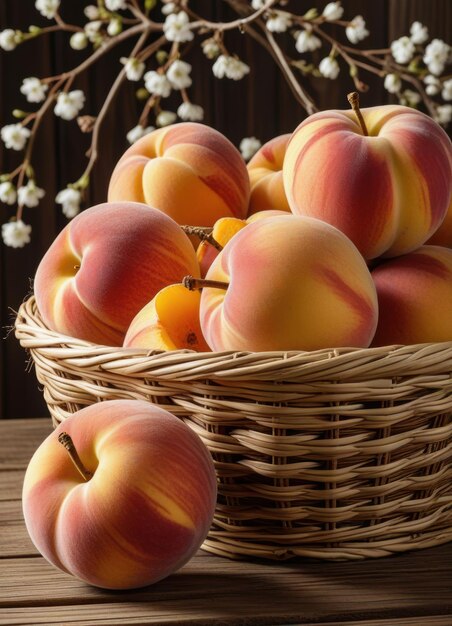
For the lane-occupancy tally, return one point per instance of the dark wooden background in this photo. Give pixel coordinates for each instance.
(260, 105)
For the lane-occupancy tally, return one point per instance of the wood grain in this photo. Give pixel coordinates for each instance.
(411, 589)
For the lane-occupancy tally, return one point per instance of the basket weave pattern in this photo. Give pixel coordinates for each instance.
(334, 454)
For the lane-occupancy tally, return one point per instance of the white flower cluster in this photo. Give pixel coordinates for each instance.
(172, 74)
(249, 146)
(69, 104)
(16, 234)
(230, 67)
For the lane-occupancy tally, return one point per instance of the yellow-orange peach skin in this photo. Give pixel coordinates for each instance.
(266, 178)
(388, 191)
(169, 322)
(294, 283)
(415, 297)
(142, 514)
(189, 171)
(105, 265)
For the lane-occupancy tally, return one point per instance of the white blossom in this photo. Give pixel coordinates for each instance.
(114, 27)
(33, 89)
(157, 84)
(137, 132)
(48, 8)
(70, 200)
(306, 41)
(356, 30)
(403, 50)
(433, 85)
(133, 67)
(392, 83)
(69, 104)
(447, 89)
(29, 195)
(190, 112)
(436, 56)
(165, 118)
(443, 114)
(333, 11)
(8, 39)
(168, 8)
(249, 146)
(418, 32)
(409, 98)
(178, 74)
(78, 41)
(278, 22)
(92, 30)
(115, 5)
(176, 27)
(15, 136)
(91, 12)
(231, 67)
(257, 4)
(329, 68)
(210, 48)
(8, 193)
(16, 234)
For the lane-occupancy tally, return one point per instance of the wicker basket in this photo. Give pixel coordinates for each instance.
(333, 454)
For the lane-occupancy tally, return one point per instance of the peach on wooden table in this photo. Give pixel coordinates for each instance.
(169, 322)
(266, 178)
(383, 176)
(137, 508)
(189, 171)
(288, 283)
(415, 297)
(105, 265)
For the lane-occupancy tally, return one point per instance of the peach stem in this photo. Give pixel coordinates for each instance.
(66, 441)
(204, 233)
(353, 99)
(192, 283)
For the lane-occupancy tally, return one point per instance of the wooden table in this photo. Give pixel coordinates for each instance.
(405, 590)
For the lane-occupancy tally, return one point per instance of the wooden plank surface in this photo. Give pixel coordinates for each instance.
(412, 589)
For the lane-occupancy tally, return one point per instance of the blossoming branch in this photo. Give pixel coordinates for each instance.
(413, 68)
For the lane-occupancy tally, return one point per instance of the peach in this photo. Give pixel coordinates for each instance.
(443, 236)
(105, 265)
(415, 297)
(124, 518)
(169, 322)
(288, 283)
(224, 229)
(189, 171)
(388, 191)
(266, 178)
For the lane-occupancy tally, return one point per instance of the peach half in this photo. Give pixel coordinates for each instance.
(169, 322)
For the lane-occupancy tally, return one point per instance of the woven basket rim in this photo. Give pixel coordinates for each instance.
(32, 332)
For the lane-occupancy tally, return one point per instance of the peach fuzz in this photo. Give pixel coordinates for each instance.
(388, 191)
(288, 283)
(126, 519)
(105, 265)
(189, 171)
(266, 178)
(415, 297)
(169, 322)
